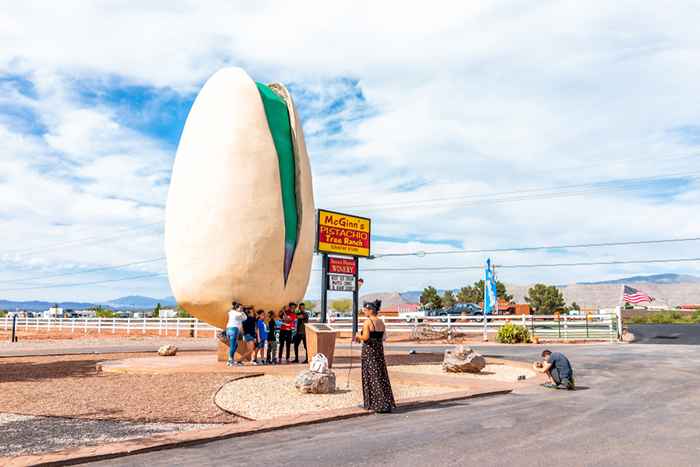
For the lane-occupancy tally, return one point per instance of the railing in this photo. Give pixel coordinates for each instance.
(160, 326)
(598, 326)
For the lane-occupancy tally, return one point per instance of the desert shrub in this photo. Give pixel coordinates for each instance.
(511, 333)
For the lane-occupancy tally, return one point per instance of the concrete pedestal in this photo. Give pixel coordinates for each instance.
(321, 339)
(222, 352)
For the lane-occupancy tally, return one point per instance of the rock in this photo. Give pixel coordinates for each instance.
(315, 383)
(167, 350)
(463, 360)
(627, 336)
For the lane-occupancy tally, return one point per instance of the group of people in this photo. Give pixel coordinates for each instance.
(265, 337)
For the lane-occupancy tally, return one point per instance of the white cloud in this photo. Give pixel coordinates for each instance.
(468, 100)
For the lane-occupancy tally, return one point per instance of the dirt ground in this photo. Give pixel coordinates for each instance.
(70, 386)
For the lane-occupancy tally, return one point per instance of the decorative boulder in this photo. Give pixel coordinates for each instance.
(167, 350)
(627, 336)
(315, 383)
(463, 360)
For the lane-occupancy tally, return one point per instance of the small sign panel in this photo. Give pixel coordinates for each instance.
(343, 234)
(341, 266)
(341, 282)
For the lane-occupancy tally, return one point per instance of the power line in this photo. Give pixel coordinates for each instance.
(607, 163)
(533, 248)
(78, 284)
(520, 195)
(385, 255)
(84, 271)
(401, 269)
(527, 266)
(81, 241)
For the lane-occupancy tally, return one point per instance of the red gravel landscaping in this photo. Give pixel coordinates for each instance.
(71, 386)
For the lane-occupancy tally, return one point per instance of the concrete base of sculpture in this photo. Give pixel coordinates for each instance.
(241, 352)
(320, 338)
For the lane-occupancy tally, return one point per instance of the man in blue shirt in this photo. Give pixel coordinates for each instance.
(558, 369)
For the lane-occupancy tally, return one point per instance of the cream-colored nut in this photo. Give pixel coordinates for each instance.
(224, 230)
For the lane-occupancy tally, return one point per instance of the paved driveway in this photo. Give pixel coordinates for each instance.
(678, 334)
(638, 405)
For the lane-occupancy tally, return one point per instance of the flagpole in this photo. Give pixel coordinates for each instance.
(618, 311)
(486, 291)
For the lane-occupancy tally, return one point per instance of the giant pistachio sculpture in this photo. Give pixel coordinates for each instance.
(240, 210)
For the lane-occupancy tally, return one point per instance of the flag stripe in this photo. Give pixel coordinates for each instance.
(632, 295)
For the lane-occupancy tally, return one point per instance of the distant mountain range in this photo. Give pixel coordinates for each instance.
(688, 290)
(653, 279)
(139, 301)
(136, 302)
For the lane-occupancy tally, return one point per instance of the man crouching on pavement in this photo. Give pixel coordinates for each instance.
(558, 370)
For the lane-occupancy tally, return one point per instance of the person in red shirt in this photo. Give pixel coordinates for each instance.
(288, 316)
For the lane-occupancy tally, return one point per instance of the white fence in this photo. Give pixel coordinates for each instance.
(602, 326)
(598, 326)
(160, 326)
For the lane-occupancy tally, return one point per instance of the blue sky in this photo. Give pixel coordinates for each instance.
(485, 126)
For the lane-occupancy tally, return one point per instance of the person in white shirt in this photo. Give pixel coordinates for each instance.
(234, 327)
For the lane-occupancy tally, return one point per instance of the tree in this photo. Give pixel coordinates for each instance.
(156, 311)
(575, 306)
(310, 305)
(545, 299)
(430, 298)
(343, 305)
(469, 294)
(181, 312)
(448, 299)
(501, 291)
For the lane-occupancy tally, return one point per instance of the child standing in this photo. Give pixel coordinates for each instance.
(261, 332)
(272, 336)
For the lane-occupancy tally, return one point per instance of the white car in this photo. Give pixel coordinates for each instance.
(410, 316)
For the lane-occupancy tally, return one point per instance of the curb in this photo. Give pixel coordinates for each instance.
(169, 441)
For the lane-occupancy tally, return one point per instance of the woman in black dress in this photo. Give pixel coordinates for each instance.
(376, 387)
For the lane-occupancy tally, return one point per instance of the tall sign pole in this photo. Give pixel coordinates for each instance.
(341, 239)
(324, 288)
(355, 297)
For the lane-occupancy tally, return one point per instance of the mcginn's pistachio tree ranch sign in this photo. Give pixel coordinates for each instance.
(343, 234)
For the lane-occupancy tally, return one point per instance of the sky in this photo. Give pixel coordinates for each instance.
(477, 125)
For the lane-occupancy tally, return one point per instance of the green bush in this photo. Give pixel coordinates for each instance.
(665, 317)
(513, 334)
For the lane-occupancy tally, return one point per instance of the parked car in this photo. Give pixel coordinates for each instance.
(459, 309)
(410, 316)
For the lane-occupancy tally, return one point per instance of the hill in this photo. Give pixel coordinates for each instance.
(139, 301)
(38, 305)
(652, 279)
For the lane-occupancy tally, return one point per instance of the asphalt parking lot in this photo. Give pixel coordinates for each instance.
(669, 334)
(637, 405)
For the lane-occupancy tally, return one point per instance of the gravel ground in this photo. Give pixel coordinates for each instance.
(80, 340)
(490, 372)
(70, 386)
(24, 434)
(276, 396)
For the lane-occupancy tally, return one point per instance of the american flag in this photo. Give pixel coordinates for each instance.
(632, 295)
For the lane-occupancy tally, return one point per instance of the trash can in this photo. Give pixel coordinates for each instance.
(321, 339)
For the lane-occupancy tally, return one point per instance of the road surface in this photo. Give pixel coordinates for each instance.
(637, 405)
